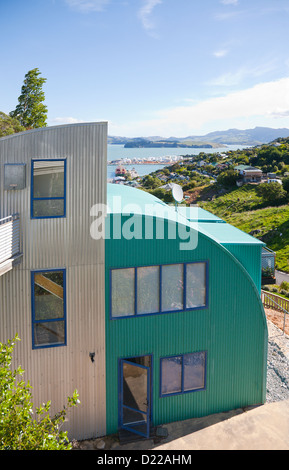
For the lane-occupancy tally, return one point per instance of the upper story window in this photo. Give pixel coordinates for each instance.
(158, 289)
(48, 188)
(48, 308)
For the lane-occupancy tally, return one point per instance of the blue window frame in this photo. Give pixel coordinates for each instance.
(48, 294)
(150, 290)
(184, 373)
(133, 395)
(48, 188)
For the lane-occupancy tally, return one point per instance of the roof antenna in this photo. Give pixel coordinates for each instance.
(178, 195)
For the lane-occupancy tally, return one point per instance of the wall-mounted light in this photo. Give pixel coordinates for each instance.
(91, 355)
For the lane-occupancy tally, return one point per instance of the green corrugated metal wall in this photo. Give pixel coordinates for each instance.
(232, 330)
(250, 256)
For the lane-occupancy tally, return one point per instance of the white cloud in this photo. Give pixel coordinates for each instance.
(230, 2)
(87, 5)
(229, 79)
(64, 120)
(260, 105)
(227, 15)
(220, 53)
(145, 14)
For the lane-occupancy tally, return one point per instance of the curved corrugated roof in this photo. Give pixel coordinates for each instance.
(197, 214)
(123, 199)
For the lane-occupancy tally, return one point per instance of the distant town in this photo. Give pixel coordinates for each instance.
(148, 161)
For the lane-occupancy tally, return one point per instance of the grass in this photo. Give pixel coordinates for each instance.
(244, 209)
(235, 201)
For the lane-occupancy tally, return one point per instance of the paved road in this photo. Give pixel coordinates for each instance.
(280, 277)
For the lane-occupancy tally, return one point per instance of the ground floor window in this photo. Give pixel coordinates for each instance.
(48, 308)
(183, 373)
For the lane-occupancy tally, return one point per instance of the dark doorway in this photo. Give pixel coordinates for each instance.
(135, 395)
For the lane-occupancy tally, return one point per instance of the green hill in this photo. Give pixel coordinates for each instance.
(262, 209)
(144, 143)
(246, 210)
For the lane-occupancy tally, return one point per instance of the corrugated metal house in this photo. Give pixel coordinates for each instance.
(159, 320)
(54, 297)
(186, 333)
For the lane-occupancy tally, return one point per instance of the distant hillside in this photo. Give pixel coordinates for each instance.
(244, 208)
(163, 143)
(250, 137)
(259, 135)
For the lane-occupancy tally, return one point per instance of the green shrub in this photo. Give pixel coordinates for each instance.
(19, 430)
(284, 285)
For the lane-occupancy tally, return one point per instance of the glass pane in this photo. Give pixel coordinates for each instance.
(135, 387)
(122, 292)
(148, 282)
(196, 285)
(171, 375)
(48, 208)
(136, 421)
(172, 287)
(48, 179)
(194, 371)
(49, 333)
(48, 295)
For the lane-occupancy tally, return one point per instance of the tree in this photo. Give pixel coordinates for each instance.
(30, 111)
(228, 178)
(162, 194)
(9, 125)
(285, 184)
(151, 182)
(271, 192)
(18, 429)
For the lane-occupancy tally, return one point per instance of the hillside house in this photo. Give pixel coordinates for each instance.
(249, 174)
(156, 317)
(186, 332)
(273, 178)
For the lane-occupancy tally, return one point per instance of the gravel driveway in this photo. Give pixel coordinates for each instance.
(277, 365)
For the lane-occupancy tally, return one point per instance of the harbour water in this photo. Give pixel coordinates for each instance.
(117, 152)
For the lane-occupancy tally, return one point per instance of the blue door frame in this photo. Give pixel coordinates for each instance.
(135, 397)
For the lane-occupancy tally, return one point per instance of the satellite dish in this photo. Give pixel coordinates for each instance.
(177, 193)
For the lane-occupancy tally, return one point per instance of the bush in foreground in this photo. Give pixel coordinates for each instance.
(19, 430)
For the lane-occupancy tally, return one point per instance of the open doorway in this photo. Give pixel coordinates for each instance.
(135, 394)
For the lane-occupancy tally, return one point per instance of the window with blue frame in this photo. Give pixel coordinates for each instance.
(148, 290)
(48, 308)
(183, 373)
(48, 188)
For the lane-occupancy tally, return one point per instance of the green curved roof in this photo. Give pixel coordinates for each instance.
(122, 199)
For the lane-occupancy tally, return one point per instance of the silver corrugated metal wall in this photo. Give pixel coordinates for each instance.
(55, 373)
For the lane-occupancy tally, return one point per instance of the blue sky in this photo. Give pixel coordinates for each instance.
(151, 67)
